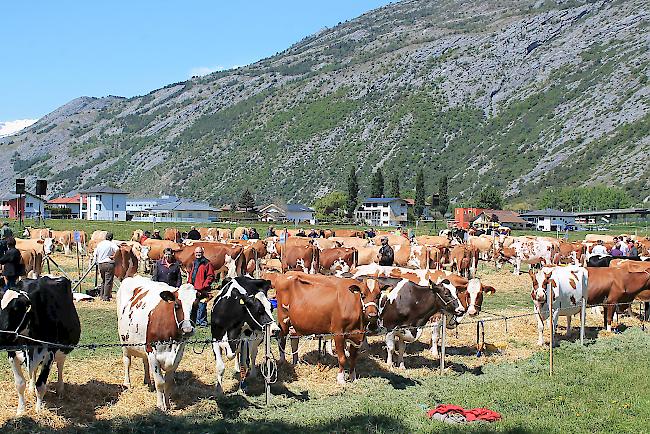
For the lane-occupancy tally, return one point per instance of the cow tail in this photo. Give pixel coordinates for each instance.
(316, 259)
(355, 257)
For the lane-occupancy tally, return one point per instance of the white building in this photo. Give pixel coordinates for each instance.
(383, 211)
(11, 205)
(295, 213)
(105, 203)
(550, 220)
(176, 210)
(73, 203)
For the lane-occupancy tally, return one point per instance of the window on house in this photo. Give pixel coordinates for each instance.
(98, 207)
(98, 197)
(29, 204)
(117, 216)
(385, 214)
(117, 206)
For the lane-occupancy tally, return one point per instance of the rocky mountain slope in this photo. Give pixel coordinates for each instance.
(519, 94)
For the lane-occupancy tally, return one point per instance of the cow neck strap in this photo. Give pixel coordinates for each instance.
(254, 320)
(446, 303)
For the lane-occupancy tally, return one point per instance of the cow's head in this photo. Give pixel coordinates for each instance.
(144, 253)
(541, 281)
(15, 315)
(369, 291)
(253, 305)
(472, 298)
(184, 308)
(448, 295)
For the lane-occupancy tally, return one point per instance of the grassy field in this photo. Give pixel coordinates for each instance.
(123, 230)
(601, 387)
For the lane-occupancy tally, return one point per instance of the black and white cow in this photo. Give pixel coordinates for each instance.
(41, 309)
(408, 307)
(240, 311)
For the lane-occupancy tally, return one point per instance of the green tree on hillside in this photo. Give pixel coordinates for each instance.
(443, 195)
(353, 192)
(490, 198)
(332, 204)
(394, 186)
(246, 201)
(585, 198)
(420, 194)
(377, 184)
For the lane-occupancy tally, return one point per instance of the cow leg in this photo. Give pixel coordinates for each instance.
(435, 333)
(390, 347)
(147, 375)
(556, 317)
(34, 360)
(59, 357)
(401, 348)
(609, 315)
(517, 269)
(354, 351)
(220, 365)
(540, 329)
(126, 359)
(19, 381)
(294, 350)
(339, 341)
(329, 347)
(568, 324)
(41, 382)
(255, 344)
(159, 380)
(66, 249)
(167, 391)
(282, 344)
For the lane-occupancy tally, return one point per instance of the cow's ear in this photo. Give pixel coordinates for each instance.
(167, 296)
(489, 289)
(531, 273)
(354, 288)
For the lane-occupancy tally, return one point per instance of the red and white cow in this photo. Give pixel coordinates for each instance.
(568, 285)
(154, 320)
(529, 250)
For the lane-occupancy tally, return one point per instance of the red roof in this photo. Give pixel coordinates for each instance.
(63, 200)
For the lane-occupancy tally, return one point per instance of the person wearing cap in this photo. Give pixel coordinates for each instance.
(193, 234)
(270, 232)
(253, 235)
(105, 259)
(145, 236)
(168, 270)
(156, 235)
(386, 255)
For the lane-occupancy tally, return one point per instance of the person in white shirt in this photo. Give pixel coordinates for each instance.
(624, 248)
(104, 257)
(599, 249)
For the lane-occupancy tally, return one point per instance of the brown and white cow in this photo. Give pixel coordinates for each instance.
(336, 259)
(227, 260)
(37, 234)
(317, 304)
(349, 233)
(154, 319)
(529, 250)
(619, 284)
(64, 239)
(351, 242)
(301, 258)
(126, 262)
(172, 234)
(464, 260)
(570, 253)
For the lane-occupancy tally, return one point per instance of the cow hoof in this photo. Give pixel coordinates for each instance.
(402, 366)
(540, 343)
(20, 412)
(218, 390)
(340, 378)
(353, 376)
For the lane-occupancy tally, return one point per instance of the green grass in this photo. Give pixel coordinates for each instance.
(599, 388)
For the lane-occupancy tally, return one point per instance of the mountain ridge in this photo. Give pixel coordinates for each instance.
(521, 95)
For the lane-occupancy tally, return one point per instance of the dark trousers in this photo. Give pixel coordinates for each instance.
(107, 272)
(10, 282)
(202, 314)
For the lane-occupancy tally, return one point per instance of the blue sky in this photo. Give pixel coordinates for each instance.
(54, 51)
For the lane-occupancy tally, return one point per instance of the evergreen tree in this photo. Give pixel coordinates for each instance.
(420, 194)
(246, 201)
(490, 198)
(443, 195)
(353, 191)
(377, 185)
(394, 186)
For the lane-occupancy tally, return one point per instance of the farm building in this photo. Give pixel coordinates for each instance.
(490, 217)
(463, 217)
(383, 211)
(295, 213)
(172, 209)
(74, 203)
(12, 206)
(550, 220)
(105, 203)
(624, 215)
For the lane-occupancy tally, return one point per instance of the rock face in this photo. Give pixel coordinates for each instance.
(518, 94)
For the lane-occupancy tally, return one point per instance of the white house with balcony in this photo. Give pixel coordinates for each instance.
(105, 203)
(382, 211)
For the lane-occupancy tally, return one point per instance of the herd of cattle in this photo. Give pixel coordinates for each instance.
(330, 286)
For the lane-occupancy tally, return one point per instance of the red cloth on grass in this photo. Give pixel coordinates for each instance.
(471, 415)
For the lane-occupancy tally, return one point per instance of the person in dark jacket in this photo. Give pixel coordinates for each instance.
(386, 254)
(193, 234)
(168, 270)
(156, 235)
(253, 234)
(201, 275)
(12, 264)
